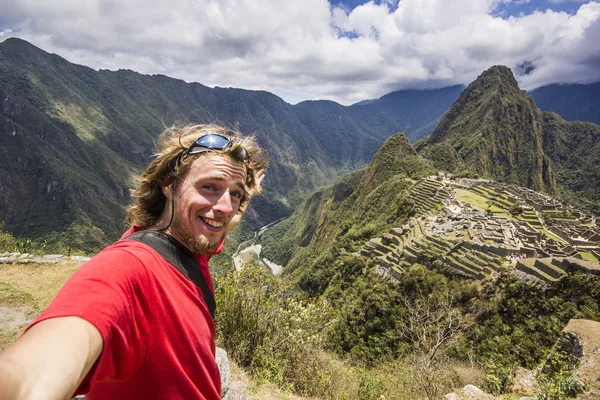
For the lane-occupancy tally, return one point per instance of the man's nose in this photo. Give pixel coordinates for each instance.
(224, 205)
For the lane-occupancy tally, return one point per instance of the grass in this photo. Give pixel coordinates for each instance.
(553, 236)
(25, 290)
(466, 196)
(588, 256)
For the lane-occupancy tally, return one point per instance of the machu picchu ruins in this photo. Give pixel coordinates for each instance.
(476, 227)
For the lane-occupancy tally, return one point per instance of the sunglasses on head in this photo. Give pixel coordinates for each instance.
(213, 142)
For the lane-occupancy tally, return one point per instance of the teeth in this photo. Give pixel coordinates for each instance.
(213, 223)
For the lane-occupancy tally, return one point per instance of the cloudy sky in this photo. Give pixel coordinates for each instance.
(341, 50)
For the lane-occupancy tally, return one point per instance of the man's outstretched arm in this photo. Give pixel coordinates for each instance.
(50, 360)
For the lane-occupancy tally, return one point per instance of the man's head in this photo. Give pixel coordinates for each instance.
(202, 177)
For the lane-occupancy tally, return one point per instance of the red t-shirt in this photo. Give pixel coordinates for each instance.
(157, 330)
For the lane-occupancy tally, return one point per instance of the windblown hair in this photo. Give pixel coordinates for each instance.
(169, 166)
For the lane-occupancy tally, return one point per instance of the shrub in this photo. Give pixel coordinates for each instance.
(7, 241)
(272, 332)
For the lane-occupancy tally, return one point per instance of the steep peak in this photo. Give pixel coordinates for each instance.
(494, 127)
(387, 161)
(498, 71)
(497, 79)
(15, 44)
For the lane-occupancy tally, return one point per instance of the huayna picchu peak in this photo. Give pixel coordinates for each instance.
(496, 131)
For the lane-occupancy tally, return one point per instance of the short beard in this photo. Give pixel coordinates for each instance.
(194, 244)
(200, 246)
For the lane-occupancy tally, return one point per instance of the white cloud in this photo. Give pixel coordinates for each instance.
(308, 50)
(566, 1)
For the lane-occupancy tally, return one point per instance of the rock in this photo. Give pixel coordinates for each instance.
(475, 392)
(223, 364)
(234, 394)
(581, 338)
(528, 398)
(80, 258)
(470, 392)
(523, 382)
(228, 392)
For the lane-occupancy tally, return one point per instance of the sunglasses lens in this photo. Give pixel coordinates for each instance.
(213, 142)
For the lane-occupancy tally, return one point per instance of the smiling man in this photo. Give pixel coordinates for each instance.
(135, 322)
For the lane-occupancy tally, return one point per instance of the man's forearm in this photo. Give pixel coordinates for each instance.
(50, 360)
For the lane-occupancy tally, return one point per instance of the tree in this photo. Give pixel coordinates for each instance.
(431, 325)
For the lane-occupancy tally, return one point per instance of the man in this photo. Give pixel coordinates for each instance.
(131, 323)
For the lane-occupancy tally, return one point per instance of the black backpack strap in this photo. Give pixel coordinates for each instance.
(180, 257)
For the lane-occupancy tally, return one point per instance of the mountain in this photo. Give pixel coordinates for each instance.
(494, 127)
(496, 131)
(574, 102)
(414, 112)
(73, 139)
(342, 216)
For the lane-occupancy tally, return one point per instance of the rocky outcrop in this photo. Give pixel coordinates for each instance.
(581, 339)
(228, 392)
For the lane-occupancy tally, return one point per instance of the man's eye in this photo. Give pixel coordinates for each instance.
(237, 195)
(209, 187)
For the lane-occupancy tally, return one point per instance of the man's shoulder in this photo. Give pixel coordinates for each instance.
(124, 259)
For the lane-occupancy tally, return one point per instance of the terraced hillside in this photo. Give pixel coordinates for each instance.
(475, 228)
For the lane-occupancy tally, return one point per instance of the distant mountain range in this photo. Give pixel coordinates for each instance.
(572, 102)
(72, 139)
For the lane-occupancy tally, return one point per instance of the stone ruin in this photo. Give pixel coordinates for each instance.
(541, 243)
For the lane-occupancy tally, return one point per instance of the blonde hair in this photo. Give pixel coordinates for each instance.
(169, 165)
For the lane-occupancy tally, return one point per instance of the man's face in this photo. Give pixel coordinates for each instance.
(206, 201)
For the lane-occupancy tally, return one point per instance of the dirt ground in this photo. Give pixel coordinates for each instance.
(241, 381)
(25, 290)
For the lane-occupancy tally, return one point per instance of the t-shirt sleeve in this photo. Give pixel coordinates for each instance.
(111, 292)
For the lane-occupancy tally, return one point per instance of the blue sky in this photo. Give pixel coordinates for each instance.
(504, 8)
(345, 51)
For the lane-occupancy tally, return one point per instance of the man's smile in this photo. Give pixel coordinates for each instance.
(213, 223)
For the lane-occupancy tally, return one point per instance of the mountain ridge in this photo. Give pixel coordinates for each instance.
(79, 122)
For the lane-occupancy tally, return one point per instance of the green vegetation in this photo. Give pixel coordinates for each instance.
(588, 256)
(501, 325)
(281, 336)
(557, 380)
(424, 326)
(7, 241)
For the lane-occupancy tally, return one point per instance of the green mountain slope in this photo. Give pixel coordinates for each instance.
(574, 149)
(338, 219)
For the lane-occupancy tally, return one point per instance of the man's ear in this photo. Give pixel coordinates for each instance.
(166, 190)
